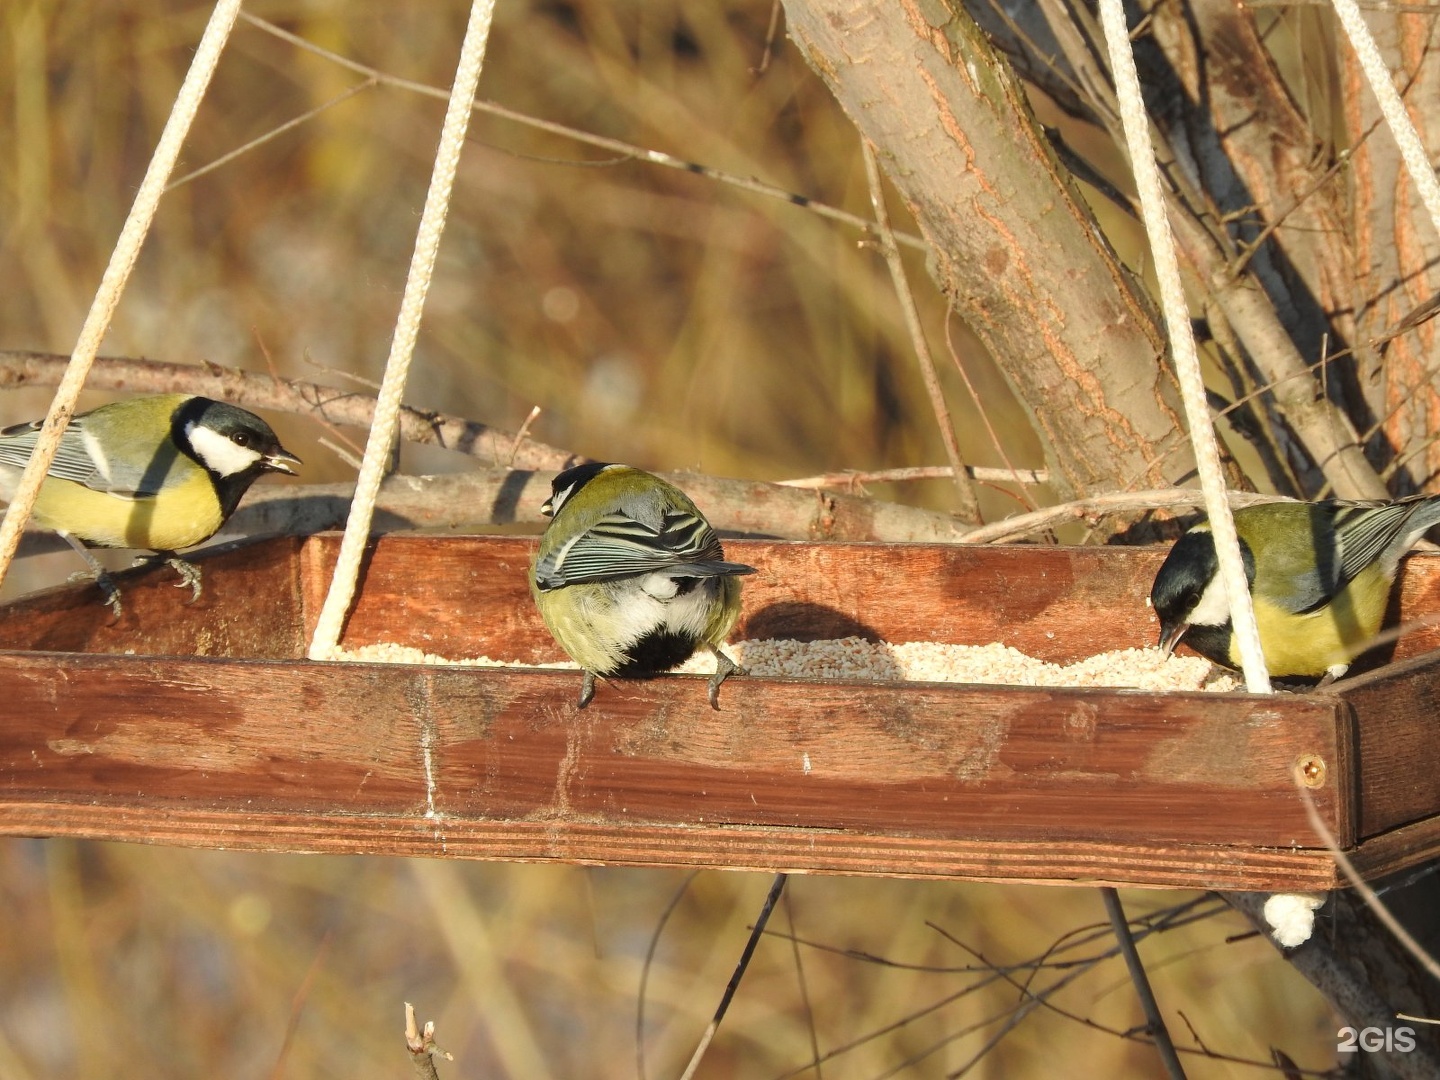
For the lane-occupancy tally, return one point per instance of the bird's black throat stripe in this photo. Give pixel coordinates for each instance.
(1211, 642)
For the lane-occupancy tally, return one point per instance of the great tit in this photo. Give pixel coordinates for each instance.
(630, 577)
(1320, 577)
(154, 473)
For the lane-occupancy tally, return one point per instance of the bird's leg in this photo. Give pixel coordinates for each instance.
(188, 571)
(587, 689)
(96, 573)
(724, 668)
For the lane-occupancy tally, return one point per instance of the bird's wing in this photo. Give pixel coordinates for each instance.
(75, 461)
(1364, 533)
(618, 546)
(72, 459)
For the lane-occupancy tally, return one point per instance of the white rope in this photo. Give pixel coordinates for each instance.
(407, 327)
(1182, 343)
(1412, 150)
(117, 273)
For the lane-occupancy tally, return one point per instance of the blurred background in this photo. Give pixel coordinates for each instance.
(656, 316)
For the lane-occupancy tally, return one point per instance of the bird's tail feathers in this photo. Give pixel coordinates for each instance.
(711, 568)
(1425, 516)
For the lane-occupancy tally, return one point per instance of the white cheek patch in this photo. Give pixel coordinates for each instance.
(558, 499)
(1213, 609)
(218, 453)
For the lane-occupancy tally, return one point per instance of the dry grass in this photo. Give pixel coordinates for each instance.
(658, 317)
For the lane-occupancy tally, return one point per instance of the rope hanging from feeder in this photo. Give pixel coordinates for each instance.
(1412, 150)
(117, 273)
(1182, 343)
(407, 327)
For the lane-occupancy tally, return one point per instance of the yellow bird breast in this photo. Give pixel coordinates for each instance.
(1310, 644)
(184, 514)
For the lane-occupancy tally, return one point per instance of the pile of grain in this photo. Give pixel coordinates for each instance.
(921, 661)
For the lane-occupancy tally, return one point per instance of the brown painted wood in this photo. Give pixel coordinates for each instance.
(1397, 724)
(249, 605)
(696, 846)
(1055, 603)
(215, 733)
(1398, 849)
(1006, 763)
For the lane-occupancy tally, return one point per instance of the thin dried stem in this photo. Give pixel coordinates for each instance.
(1371, 898)
(771, 898)
(984, 413)
(968, 508)
(1113, 503)
(273, 133)
(624, 150)
(851, 480)
(326, 404)
(1154, 1022)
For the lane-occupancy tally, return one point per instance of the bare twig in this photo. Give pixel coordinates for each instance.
(614, 146)
(804, 986)
(756, 931)
(851, 480)
(1113, 503)
(297, 1004)
(252, 390)
(1372, 900)
(275, 132)
(1154, 1022)
(490, 495)
(493, 496)
(968, 507)
(999, 444)
(770, 35)
(522, 433)
(645, 971)
(421, 1044)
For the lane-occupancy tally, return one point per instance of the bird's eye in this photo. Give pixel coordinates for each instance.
(241, 438)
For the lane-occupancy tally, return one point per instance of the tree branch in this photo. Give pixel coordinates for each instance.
(490, 496)
(328, 404)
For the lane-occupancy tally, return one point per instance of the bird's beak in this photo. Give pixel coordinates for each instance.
(1170, 636)
(546, 509)
(281, 461)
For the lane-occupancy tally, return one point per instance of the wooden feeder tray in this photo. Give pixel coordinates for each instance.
(202, 725)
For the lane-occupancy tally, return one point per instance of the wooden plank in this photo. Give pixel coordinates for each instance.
(261, 599)
(1399, 849)
(1055, 603)
(248, 606)
(1396, 713)
(1042, 600)
(927, 760)
(455, 596)
(701, 847)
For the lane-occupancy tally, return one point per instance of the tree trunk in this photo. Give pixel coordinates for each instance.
(1014, 246)
(1398, 252)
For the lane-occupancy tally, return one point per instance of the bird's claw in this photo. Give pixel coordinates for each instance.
(724, 668)
(189, 575)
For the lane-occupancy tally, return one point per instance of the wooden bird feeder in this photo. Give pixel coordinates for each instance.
(203, 725)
